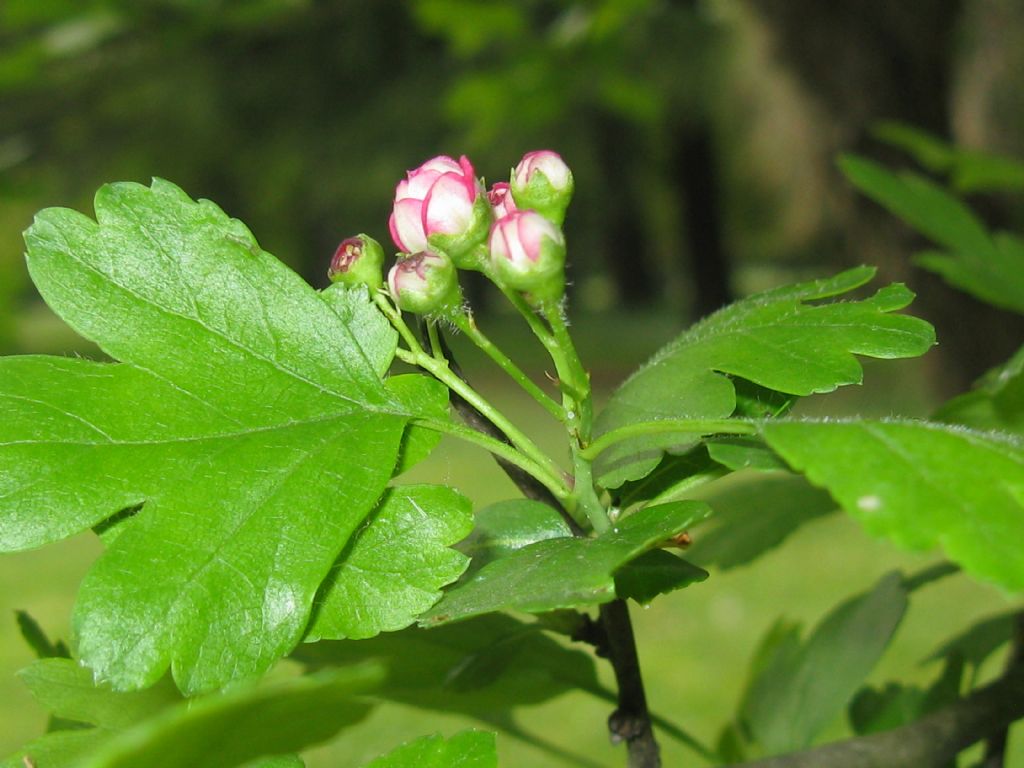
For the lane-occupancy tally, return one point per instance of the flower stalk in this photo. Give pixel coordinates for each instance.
(443, 216)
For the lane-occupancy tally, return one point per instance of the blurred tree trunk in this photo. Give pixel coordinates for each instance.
(694, 166)
(627, 248)
(867, 60)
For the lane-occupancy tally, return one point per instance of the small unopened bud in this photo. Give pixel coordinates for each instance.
(359, 260)
(528, 254)
(543, 182)
(425, 283)
(500, 197)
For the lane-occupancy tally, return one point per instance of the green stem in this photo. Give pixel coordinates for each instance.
(574, 376)
(552, 482)
(543, 467)
(466, 324)
(542, 333)
(584, 496)
(439, 370)
(435, 341)
(394, 316)
(574, 382)
(663, 426)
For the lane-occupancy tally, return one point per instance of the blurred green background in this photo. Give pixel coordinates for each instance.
(702, 134)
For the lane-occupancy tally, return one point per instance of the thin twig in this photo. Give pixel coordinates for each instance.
(932, 741)
(995, 745)
(631, 721)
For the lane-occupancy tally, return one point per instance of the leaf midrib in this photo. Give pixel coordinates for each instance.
(292, 424)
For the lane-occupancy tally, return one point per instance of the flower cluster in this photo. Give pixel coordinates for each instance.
(444, 219)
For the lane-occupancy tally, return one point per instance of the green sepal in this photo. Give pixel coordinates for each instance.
(542, 196)
(464, 249)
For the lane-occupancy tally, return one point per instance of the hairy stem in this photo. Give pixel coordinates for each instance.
(441, 371)
(528, 485)
(502, 450)
(668, 426)
(466, 324)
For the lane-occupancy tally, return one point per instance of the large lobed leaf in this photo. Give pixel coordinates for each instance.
(248, 418)
(394, 568)
(778, 340)
(921, 485)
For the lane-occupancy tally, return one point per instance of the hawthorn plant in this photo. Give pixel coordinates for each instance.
(241, 458)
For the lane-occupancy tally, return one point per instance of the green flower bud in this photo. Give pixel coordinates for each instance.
(528, 254)
(543, 182)
(358, 260)
(425, 283)
(464, 247)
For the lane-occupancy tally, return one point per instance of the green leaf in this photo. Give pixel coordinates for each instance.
(394, 567)
(991, 269)
(873, 710)
(996, 280)
(753, 516)
(928, 150)
(278, 761)
(995, 403)
(66, 749)
(673, 475)
(426, 398)
(365, 323)
(777, 340)
(564, 572)
(60, 749)
(36, 638)
(970, 170)
(66, 689)
(259, 435)
(922, 204)
(803, 686)
(480, 667)
(921, 485)
(506, 526)
(231, 729)
(979, 641)
(469, 749)
(655, 573)
(742, 452)
(982, 172)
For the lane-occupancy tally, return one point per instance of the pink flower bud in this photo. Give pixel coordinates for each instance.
(543, 182)
(500, 197)
(425, 283)
(358, 260)
(528, 254)
(441, 206)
